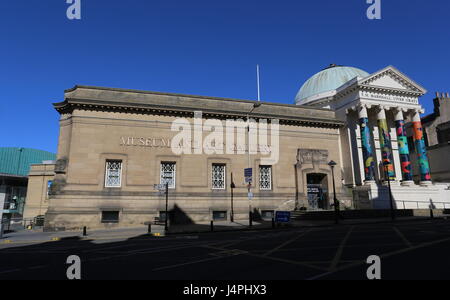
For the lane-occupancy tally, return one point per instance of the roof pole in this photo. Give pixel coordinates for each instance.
(257, 80)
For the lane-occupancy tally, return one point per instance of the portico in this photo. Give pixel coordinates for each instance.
(391, 144)
(377, 108)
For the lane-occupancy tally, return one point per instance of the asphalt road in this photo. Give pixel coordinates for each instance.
(408, 250)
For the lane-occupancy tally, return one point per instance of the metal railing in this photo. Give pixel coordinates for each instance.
(407, 204)
(21, 223)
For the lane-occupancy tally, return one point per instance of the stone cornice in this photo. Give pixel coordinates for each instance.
(184, 106)
(372, 88)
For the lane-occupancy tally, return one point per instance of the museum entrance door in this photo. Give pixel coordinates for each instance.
(317, 191)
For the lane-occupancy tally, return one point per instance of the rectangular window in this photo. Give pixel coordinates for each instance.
(443, 136)
(113, 177)
(49, 186)
(168, 174)
(265, 178)
(110, 217)
(162, 216)
(218, 177)
(219, 215)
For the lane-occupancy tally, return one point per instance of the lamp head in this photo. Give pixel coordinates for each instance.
(332, 164)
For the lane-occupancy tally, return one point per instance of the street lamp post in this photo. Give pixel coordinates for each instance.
(166, 225)
(232, 186)
(386, 174)
(332, 164)
(2, 204)
(250, 214)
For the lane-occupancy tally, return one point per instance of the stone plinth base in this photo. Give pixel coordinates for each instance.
(404, 196)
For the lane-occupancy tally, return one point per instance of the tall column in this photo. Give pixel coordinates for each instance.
(385, 144)
(367, 149)
(403, 148)
(419, 140)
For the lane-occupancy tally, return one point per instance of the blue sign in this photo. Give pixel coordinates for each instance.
(283, 216)
(248, 172)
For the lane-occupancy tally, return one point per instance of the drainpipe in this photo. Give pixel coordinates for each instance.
(20, 160)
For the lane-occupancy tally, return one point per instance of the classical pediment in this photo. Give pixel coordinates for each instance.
(391, 79)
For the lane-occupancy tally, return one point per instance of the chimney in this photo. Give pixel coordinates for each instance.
(440, 95)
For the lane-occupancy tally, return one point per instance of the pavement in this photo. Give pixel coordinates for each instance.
(410, 249)
(35, 236)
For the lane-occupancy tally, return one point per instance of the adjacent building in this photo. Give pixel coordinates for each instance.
(14, 168)
(40, 179)
(437, 138)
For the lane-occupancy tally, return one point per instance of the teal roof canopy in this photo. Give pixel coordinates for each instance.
(327, 80)
(17, 161)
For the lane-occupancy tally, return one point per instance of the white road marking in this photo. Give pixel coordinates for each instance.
(287, 243)
(402, 236)
(340, 250)
(381, 256)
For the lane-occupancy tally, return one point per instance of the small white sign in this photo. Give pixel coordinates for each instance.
(160, 187)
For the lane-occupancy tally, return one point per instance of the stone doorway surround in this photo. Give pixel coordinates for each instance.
(311, 161)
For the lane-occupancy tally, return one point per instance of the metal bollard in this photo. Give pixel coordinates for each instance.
(273, 222)
(212, 226)
(84, 231)
(149, 228)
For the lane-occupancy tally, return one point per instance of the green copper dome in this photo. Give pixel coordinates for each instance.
(327, 80)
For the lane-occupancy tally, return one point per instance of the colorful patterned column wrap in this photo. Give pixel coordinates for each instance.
(403, 149)
(386, 148)
(421, 149)
(368, 156)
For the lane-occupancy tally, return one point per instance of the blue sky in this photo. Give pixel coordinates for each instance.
(205, 48)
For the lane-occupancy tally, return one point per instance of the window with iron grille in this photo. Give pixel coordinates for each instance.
(218, 176)
(265, 178)
(168, 174)
(110, 217)
(113, 176)
(219, 215)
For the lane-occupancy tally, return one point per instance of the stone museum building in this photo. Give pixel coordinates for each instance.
(115, 145)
